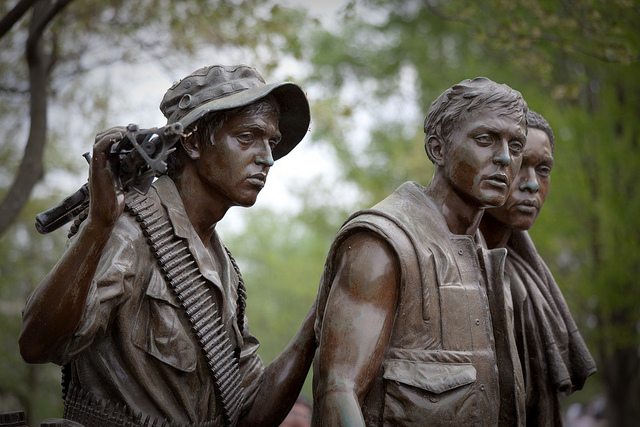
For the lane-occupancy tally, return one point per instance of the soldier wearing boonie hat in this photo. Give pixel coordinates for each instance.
(153, 330)
(217, 88)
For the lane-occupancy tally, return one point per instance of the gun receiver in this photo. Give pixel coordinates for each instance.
(137, 158)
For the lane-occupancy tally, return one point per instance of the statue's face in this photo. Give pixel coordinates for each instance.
(236, 163)
(529, 189)
(484, 155)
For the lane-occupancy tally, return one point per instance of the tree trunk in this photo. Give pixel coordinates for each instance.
(622, 387)
(622, 363)
(31, 168)
(13, 16)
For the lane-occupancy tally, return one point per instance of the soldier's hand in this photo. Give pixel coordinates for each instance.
(106, 194)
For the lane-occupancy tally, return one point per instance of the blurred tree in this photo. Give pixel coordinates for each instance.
(24, 260)
(576, 63)
(39, 63)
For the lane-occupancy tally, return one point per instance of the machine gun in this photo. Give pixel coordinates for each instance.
(137, 158)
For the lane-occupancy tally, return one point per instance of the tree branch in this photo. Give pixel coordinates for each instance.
(14, 15)
(14, 90)
(41, 20)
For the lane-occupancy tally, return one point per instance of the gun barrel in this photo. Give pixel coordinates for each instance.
(65, 211)
(140, 155)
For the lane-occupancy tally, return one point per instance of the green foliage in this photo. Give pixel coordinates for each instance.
(280, 259)
(25, 259)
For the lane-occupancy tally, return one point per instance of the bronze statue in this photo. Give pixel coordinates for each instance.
(405, 330)
(146, 308)
(554, 357)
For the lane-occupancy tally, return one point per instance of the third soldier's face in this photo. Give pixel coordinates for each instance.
(483, 157)
(529, 190)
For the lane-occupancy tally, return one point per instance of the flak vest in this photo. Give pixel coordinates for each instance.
(441, 364)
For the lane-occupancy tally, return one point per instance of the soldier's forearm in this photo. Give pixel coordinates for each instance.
(283, 378)
(337, 406)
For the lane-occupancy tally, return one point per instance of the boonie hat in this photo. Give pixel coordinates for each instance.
(219, 87)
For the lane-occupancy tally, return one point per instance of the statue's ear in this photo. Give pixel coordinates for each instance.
(191, 146)
(435, 148)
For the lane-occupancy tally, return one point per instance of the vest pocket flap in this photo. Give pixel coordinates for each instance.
(431, 376)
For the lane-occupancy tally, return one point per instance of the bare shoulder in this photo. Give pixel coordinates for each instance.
(366, 263)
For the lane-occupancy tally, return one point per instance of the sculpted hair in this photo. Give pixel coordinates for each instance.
(205, 129)
(536, 121)
(455, 103)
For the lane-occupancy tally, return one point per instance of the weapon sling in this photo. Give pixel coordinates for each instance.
(196, 297)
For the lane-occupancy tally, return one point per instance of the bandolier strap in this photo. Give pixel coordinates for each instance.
(196, 297)
(83, 407)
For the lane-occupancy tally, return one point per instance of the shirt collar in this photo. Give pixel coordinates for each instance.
(183, 228)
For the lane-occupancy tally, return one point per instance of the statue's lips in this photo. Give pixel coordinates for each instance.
(527, 206)
(498, 180)
(259, 179)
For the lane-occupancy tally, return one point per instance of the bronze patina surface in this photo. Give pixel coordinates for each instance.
(555, 359)
(146, 307)
(412, 322)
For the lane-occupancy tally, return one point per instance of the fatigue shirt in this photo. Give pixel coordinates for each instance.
(135, 346)
(441, 365)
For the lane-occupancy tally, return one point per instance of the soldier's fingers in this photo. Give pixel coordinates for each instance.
(101, 148)
(109, 138)
(103, 144)
(116, 131)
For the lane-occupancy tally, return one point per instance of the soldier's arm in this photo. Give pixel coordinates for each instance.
(357, 324)
(283, 379)
(53, 312)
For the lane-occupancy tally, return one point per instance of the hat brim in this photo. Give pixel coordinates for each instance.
(294, 111)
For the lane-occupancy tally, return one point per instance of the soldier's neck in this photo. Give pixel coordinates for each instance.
(461, 215)
(495, 233)
(203, 209)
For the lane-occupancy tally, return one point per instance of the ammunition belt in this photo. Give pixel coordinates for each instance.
(83, 407)
(196, 297)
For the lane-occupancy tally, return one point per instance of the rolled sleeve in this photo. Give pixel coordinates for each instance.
(251, 369)
(111, 285)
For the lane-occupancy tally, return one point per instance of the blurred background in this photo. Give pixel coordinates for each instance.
(69, 68)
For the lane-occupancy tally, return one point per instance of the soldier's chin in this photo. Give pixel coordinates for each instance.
(245, 202)
(247, 199)
(524, 223)
(494, 202)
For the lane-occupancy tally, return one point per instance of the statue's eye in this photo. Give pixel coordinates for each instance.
(483, 139)
(543, 170)
(515, 147)
(245, 137)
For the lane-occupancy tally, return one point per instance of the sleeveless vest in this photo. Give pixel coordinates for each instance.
(440, 367)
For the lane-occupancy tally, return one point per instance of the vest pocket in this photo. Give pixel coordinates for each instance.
(419, 392)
